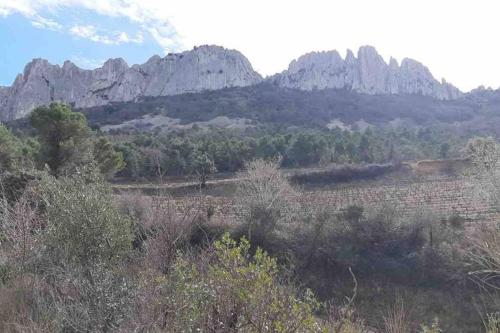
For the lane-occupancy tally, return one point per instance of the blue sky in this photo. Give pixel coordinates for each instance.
(24, 41)
(455, 39)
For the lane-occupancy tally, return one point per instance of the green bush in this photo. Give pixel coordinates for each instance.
(92, 299)
(235, 292)
(380, 243)
(10, 150)
(83, 224)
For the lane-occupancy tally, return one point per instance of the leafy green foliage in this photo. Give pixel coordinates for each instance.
(83, 225)
(203, 167)
(178, 153)
(237, 292)
(108, 160)
(10, 150)
(100, 301)
(63, 134)
(67, 142)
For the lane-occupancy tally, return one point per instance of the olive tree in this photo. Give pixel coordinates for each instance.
(83, 224)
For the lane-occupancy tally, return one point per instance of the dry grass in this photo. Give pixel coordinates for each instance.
(485, 255)
(396, 320)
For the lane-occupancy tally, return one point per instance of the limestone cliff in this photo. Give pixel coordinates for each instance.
(211, 68)
(368, 73)
(203, 68)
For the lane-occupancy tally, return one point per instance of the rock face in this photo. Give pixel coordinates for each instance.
(368, 73)
(203, 68)
(211, 68)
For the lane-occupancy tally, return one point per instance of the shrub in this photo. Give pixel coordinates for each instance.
(485, 256)
(26, 306)
(484, 154)
(168, 230)
(83, 224)
(12, 186)
(231, 291)
(10, 150)
(264, 196)
(20, 229)
(485, 249)
(74, 239)
(108, 160)
(379, 243)
(91, 299)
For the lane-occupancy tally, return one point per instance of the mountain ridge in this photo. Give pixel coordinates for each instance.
(211, 67)
(367, 73)
(203, 68)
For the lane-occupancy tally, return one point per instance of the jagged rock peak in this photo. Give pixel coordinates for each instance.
(206, 67)
(117, 63)
(368, 73)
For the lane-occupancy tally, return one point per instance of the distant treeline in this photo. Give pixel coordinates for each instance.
(184, 153)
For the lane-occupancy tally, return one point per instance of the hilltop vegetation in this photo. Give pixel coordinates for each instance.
(281, 107)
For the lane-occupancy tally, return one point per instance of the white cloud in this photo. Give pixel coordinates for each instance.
(32, 9)
(123, 37)
(150, 19)
(91, 32)
(44, 23)
(23, 7)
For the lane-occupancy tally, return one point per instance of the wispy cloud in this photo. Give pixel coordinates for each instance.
(148, 19)
(91, 32)
(123, 37)
(23, 7)
(164, 35)
(44, 23)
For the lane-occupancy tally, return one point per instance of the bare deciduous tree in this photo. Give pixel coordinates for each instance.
(264, 196)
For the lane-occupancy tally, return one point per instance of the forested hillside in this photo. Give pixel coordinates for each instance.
(267, 103)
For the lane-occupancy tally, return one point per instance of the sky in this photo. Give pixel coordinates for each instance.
(457, 39)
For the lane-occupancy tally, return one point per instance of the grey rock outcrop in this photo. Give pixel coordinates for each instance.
(368, 73)
(211, 68)
(203, 68)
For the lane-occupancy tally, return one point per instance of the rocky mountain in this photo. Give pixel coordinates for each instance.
(203, 68)
(367, 73)
(208, 68)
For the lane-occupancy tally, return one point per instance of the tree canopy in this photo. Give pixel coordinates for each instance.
(67, 141)
(62, 133)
